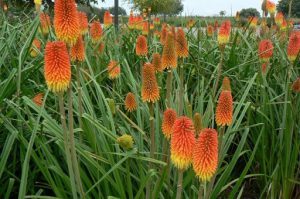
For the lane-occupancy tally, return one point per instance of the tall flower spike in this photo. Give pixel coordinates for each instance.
(265, 50)
(271, 7)
(83, 22)
(279, 18)
(150, 90)
(131, 21)
(114, 69)
(77, 51)
(210, 30)
(57, 66)
(181, 44)
(169, 56)
(141, 48)
(45, 23)
(145, 28)
(164, 33)
(66, 22)
(205, 156)
(96, 31)
(253, 22)
(293, 46)
(168, 122)
(35, 47)
(182, 142)
(107, 19)
(224, 33)
(237, 16)
(156, 61)
(225, 105)
(130, 102)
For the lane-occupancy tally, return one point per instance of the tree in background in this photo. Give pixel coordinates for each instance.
(284, 5)
(159, 6)
(249, 12)
(222, 13)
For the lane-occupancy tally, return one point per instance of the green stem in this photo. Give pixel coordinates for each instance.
(201, 191)
(72, 143)
(179, 184)
(130, 194)
(181, 89)
(169, 88)
(66, 143)
(219, 74)
(80, 108)
(152, 146)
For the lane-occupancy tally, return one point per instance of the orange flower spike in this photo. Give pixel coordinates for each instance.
(83, 22)
(156, 61)
(57, 66)
(114, 69)
(284, 26)
(141, 48)
(145, 28)
(150, 90)
(156, 21)
(182, 142)
(205, 156)
(169, 56)
(35, 47)
(96, 31)
(181, 44)
(168, 122)
(164, 33)
(77, 51)
(101, 47)
(45, 23)
(38, 99)
(271, 7)
(225, 105)
(130, 102)
(265, 50)
(131, 22)
(224, 33)
(210, 30)
(293, 46)
(66, 22)
(253, 22)
(296, 86)
(279, 18)
(107, 19)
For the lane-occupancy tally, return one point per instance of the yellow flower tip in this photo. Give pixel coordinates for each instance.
(180, 162)
(125, 141)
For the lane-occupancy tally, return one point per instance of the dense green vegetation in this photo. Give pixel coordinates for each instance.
(260, 150)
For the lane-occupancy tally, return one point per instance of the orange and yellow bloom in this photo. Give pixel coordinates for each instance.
(224, 33)
(77, 51)
(293, 46)
(265, 50)
(141, 48)
(156, 61)
(150, 90)
(130, 102)
(45, 23)
(107, 19)
(182, 142)
(96, 31)
(168, 122)
(169, 56)
(225, 105)
(66, 22)
(114, 69)
(181, 44)
(205, 156)
(57, 66)
(35, 47)
(83, 22)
